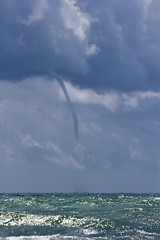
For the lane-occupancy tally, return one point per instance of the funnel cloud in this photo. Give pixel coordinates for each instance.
(74, 115)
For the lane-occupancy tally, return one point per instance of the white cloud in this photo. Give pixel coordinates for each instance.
(79, 23)
(88, 96)
(146, 4)
(130, 101)
(62, 158)
(92, 50)
(39, 10)
(148, 95)
(133, 100)
(74, 19)
(112, 101)
(28, 141)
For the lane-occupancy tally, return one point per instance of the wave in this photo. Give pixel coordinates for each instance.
(79, 216)
(52, 237)
(24, 219)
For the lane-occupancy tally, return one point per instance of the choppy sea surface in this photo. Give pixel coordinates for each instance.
(79, 216)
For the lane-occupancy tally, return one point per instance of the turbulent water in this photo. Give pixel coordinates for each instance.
(79, 216)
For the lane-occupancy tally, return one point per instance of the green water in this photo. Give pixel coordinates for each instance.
(79, 216)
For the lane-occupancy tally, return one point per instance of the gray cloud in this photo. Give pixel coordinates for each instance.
(127, 35)
(112, 143)
(39, 37)
(111, 45)
(110, 54)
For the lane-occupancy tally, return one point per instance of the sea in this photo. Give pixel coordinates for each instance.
(79, 216)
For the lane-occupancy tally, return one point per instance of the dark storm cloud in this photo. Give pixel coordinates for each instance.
(37, 38)
(40, 37)
(113, 45)
(127, 34)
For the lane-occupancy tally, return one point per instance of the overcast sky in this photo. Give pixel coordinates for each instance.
(107, 53)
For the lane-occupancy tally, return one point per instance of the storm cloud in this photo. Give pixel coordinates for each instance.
(111, 45)
(41, 37)
(107, 54)
(127, 35)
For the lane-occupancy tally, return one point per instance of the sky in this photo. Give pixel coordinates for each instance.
(79, 96)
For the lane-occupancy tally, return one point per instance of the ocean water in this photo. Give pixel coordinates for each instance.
(79, 216)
